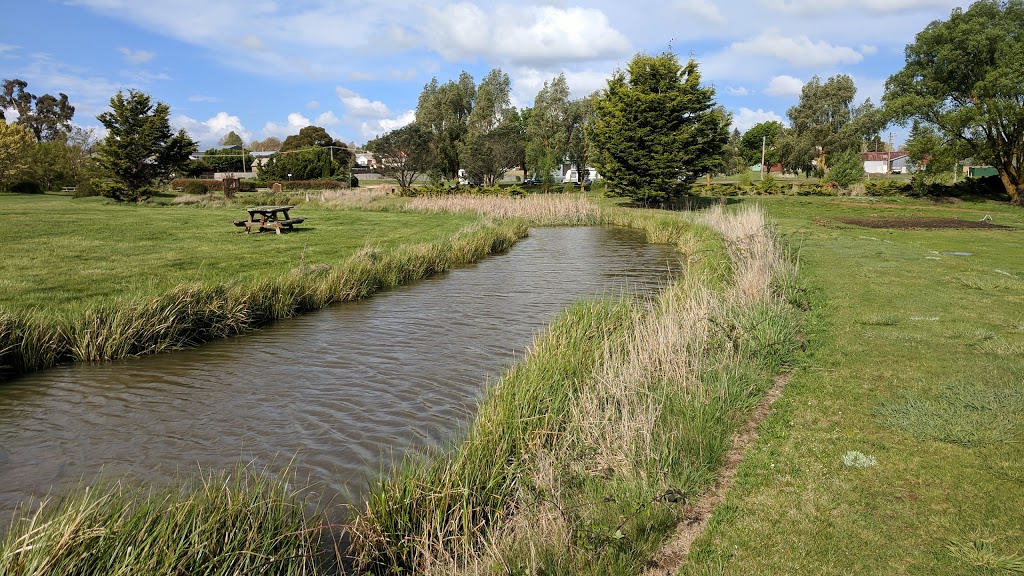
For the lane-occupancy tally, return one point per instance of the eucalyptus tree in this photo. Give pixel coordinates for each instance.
(491, 145)
(965, 77)
(546, 134)
(443, 111)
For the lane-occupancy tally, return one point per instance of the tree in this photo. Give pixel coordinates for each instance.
(443, 111)
(139, 147)
(846, 169)
(733, 160)
(578, 149)
(308, 137)
(230, 139)
(268, 144)
(766, 134)
(15, 153)
(48, 117)
(307, 164)
(657, 129)
(490, 147)
(818, 122)
(546, 132)
(403, 153)
(226, 160)
(965, 76)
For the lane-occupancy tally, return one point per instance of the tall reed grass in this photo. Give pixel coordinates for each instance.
(195, 313)
(539, 210)
(581, 458)
(246, 522)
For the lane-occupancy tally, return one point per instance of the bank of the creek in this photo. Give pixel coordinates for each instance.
(342, 390)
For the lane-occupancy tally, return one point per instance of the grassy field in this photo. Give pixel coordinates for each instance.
(64, 255)
(915, 361)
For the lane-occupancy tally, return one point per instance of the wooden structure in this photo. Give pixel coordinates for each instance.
(269, 218)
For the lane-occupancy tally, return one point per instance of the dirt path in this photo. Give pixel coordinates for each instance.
(669, 559)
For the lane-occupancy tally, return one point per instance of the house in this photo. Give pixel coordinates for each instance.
(893, 162)
(365, 159)
(776, 169)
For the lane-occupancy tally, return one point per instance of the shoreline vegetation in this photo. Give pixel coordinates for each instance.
(580, 460)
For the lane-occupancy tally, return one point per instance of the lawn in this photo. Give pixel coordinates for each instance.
(64, 255)
(915, 359)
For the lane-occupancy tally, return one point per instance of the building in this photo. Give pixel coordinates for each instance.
(895, 162)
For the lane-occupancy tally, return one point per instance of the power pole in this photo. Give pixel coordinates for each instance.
(763, 139)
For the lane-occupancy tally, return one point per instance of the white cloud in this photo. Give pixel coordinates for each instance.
(327, 119)
(747, 118)
(295, 123)
(527, 82)
(358, 106)
(819, 7)
(522, 34)
(741, 91)
(209, 131)
(784, 86)
(800, 51)
(868, 50)
(370, 130)
(135, 57)
(702, 9)
(203, 98)
(312, 105)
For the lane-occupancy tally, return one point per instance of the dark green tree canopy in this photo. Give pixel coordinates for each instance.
(751, 142)
(490, 146)
(443, 111)
(403, 153)
(48, 117)
(140, 147)
(965, 76)
(231, 139)
(305, 164)
(308, 137)
(657, 129)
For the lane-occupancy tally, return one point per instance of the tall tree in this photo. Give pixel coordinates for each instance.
(403, 154)
(140, 147)
(15, 153)
(546, 132)
(578, 149)
(818, 121)
(268, 144)
(491, 145)
(48, 117)
(443, 111)
(965, 76)
(657, 129)
(308, 137)
(314, 163)
(230, 139)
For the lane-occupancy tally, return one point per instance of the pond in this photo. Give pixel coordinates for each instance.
(339, 393)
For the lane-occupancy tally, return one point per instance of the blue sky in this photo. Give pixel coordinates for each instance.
(264, 67)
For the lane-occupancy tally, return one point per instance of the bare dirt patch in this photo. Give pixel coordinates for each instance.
(697, 514)
(924, 224)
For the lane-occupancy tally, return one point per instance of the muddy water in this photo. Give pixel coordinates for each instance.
(340, 392)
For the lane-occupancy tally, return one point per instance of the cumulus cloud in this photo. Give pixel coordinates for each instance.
(356, 105)
(702, 9)
(527, 82)
(784, 86)
(818, 7)
(734, 91)
(209, 131)
(799, 51)
(295, 123)
(522, 34)
(328, 119)
(312, 105)
(135, 57)
(370, 130)
(745, 118)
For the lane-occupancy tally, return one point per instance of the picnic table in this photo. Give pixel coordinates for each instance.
(269, 218)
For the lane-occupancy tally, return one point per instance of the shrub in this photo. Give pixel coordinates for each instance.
(887, 188)
(353, 181)
(84, 188)
(324, 184)
(195, 188)
(27, 187)
(769, 185)
(210, 183)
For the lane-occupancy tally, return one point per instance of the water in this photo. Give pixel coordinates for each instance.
(339, 393)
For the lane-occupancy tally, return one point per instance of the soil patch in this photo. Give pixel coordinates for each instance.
(697, 514)
(923, 223)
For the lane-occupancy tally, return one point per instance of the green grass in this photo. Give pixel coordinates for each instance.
(914, 359)
(70, 255)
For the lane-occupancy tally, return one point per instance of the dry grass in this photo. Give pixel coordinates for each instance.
(541, 210)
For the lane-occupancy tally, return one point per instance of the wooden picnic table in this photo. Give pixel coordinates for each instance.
(269, 218)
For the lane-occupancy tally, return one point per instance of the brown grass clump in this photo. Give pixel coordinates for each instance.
(541, 210)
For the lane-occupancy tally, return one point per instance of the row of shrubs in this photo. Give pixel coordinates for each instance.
(987, 187)
(204, 186)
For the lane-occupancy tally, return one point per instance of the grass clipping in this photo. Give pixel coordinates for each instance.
(582, 457)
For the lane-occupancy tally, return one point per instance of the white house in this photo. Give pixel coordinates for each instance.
(884, 162)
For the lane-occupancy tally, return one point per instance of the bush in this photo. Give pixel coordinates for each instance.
(887, 188)
(313, 184)
(195, 188)
(353, 181)
(27, 187)
(85, 188)
(210, 184)
(769, 185)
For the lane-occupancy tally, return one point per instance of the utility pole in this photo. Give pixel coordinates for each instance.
(763, 140)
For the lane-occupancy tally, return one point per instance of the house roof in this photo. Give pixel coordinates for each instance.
(882, 156)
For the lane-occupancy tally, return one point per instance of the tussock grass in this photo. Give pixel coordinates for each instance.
(581, 456)
(978, 553)
(194, 313)
(961, 413)
(540, 210)
(247, 522)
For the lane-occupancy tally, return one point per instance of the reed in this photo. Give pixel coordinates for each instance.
(539, 210)
(245, 522)
(580, 458)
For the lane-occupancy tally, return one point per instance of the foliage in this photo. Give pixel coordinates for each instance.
(443, 111)
(403, 153)
(657, 129)
(195, 187)
(226, 160)
(268, 144)
(15, 152)
(308, 137)
(320, 184)
(825, 122)
(494, 132)
(27, 187)
(578, 148)
(846, 169)
(963, 76)
(751, 143)
(48, 117)
(230, 139)
(306, 164)
(546, 132)
(139, 148)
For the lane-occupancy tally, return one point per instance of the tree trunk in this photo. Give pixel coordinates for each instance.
(1014, 189)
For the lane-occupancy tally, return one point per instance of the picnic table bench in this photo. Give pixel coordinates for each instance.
(269, 218)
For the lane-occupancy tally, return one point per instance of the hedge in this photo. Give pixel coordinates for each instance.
(212, 185)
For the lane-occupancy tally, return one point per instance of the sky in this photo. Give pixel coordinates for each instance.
(268, 68)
